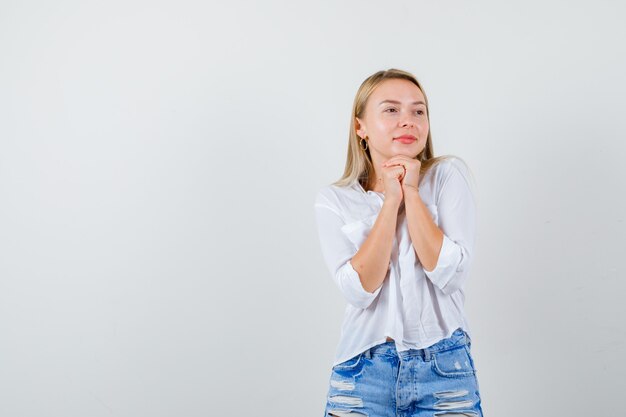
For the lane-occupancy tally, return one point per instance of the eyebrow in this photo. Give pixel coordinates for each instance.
(397, 102)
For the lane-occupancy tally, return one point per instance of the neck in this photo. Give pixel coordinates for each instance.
(374, 185)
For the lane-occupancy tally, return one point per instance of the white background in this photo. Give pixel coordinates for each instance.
(159, 162)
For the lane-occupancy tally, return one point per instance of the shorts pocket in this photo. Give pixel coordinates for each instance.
(453, 363)
(350, 364)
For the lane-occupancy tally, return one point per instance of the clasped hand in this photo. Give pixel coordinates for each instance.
(405, 171)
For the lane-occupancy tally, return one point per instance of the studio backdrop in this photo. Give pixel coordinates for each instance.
(159, 162)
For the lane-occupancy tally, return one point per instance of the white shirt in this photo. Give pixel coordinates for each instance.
(415, 307)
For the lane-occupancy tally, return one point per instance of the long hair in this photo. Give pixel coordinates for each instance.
(359, 162)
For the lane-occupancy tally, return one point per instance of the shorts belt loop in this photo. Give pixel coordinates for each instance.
(368, 354)
(426, 354)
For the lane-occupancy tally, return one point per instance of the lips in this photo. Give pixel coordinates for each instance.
(406, 139)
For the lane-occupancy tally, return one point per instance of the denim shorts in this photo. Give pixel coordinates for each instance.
(439, 380)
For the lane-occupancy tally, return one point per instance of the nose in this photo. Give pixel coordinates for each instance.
(407, 121)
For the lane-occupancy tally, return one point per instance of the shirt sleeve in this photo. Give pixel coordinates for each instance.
(337, 251)
(457, 220)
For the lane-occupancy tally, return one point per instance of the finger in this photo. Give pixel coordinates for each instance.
(393, 163)
(398, 158)
(396, 172)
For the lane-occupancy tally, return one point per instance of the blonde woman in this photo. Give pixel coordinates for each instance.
(397, 234)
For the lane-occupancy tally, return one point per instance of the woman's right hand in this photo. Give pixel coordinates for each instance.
(392, 185)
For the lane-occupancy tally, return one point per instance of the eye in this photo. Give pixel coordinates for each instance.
(420, 112)
(390, 108)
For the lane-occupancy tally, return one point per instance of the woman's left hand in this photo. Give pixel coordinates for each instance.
(411, 170)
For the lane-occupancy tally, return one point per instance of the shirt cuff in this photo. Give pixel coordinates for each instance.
(447, 262)
(353, 289)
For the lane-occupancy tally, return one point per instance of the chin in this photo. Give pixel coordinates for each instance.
(405, 152)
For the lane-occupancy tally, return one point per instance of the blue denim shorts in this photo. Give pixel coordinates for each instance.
(439, 380)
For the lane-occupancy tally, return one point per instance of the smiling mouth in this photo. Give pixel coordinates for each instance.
(406, 140)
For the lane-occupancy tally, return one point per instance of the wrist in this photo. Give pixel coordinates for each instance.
(412, 196)
(395, 202)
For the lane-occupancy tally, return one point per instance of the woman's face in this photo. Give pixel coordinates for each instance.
(394, 109)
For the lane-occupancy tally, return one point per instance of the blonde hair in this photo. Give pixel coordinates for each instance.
(359, 163)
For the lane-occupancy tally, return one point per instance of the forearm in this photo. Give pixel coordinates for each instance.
(372, 259)
(426, 237)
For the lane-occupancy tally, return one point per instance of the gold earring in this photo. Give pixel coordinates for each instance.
(361, 143)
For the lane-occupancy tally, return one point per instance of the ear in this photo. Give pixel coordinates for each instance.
(360, 131)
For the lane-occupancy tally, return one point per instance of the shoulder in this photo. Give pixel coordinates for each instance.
(340, 199)
(450, 167)
(331, 196)
(451, 174)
